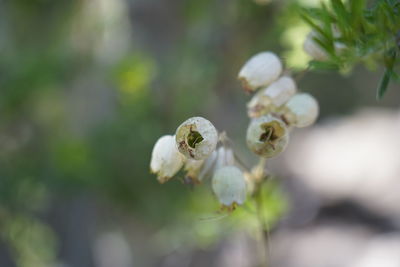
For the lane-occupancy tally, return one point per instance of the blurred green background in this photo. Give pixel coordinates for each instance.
(87, 87)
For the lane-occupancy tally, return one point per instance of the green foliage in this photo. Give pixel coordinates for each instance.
(390, 59)
(33, 243)
(366, 34)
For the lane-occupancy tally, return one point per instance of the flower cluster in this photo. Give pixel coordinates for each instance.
(276, 106)
(198, 149)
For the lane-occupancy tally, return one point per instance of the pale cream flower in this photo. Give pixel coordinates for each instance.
(196, 138)
(260, 70)
(267, 136)
(229, 185)
(166, 160)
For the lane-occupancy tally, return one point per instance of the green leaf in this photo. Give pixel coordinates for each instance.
(318, 29)
(314, 13)
(390, 59)
(383, 85)
(323, 65)
(392, 2)
(356, 10)
(395, 76)
(327, 21)
(328, 47)
(340, 10)
(342, 17)
(357, 6)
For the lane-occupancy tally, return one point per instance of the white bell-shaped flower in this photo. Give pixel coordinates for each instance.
(229, 185)
(301, 110)
(260, 70)
(166, 160)
(267, 136)
(222, 156)
(270, 98)
(196, 138)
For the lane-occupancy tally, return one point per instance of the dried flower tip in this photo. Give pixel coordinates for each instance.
(301, 110)
(269, 99)
(166, 160)
(260, 70)
(229, 186)
(196, 138)
(267, 136)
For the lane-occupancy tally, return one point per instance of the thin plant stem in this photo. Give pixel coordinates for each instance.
(263, 244)
(242, 163)
(299, 76)
(227, 142)
(263, 241)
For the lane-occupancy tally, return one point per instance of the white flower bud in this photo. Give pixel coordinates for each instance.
(196, 138)
(267, 136)
(301, 110)
(192, 168)
(166, 160)
(259, 105)
(229, 185)
(313, 49)
(221, 157)
(269, 99)
(281, 91)
(260, 70)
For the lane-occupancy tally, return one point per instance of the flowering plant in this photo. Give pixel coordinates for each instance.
(275, 109)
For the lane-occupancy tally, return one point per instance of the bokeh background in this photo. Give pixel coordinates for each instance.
(87, 87)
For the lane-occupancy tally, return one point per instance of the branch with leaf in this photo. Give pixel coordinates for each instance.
(348, 33)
